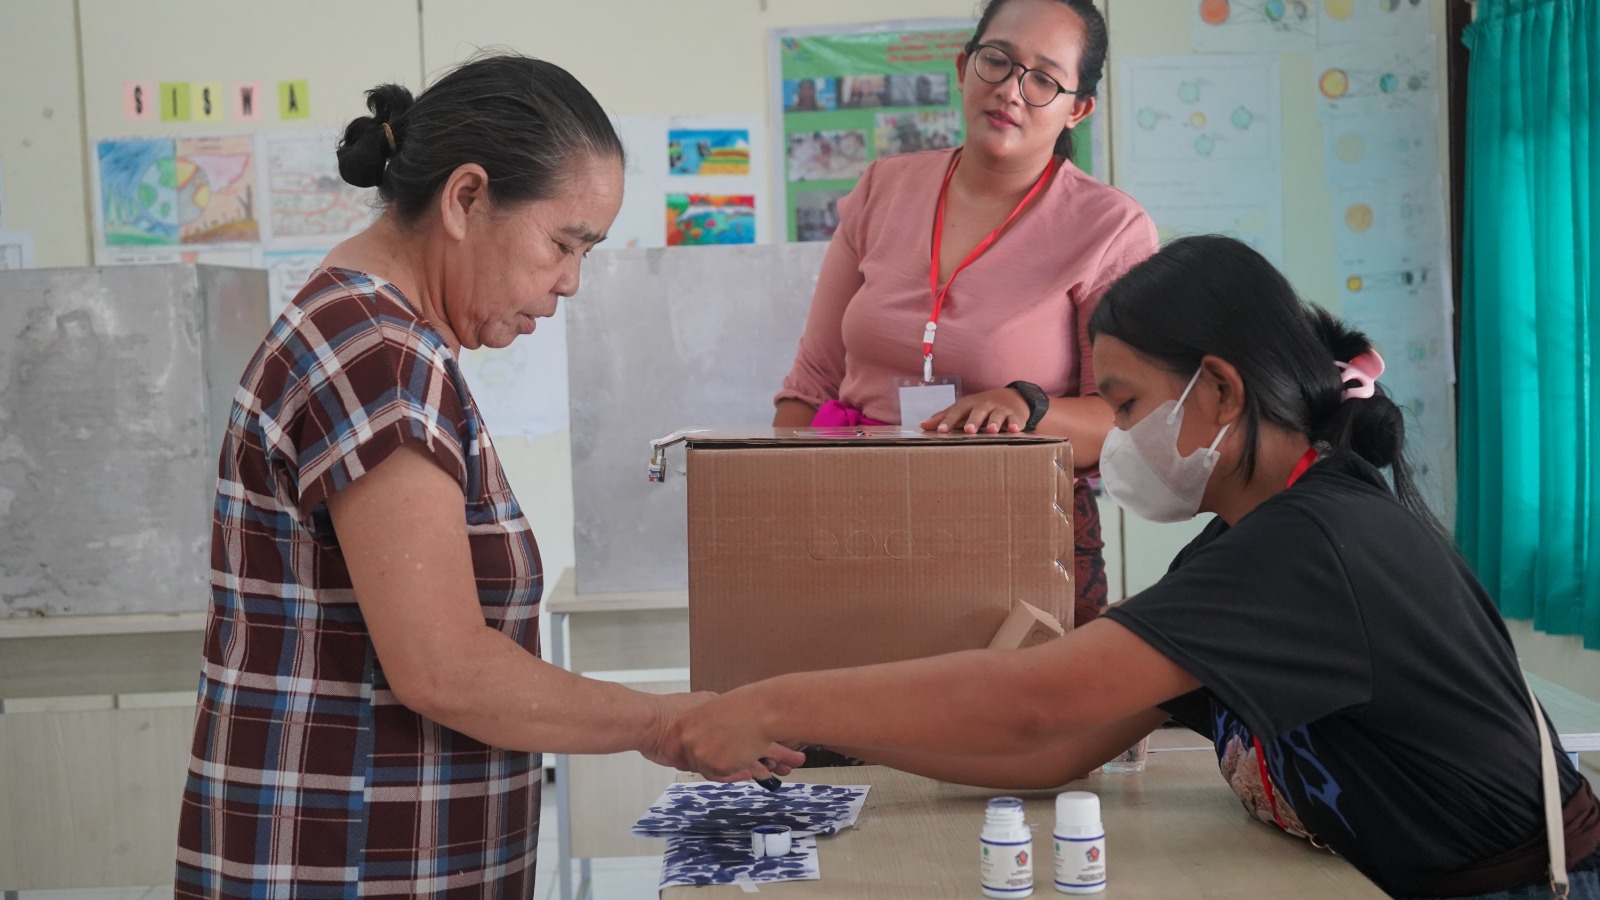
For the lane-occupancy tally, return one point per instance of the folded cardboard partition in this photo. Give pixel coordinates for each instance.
(1027, 626)
(820, 548)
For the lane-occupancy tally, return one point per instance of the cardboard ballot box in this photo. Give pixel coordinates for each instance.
(818, 548)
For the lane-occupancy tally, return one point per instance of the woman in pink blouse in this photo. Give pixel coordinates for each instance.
(1035, 243)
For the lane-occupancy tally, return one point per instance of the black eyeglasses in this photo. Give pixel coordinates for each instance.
(1038, 89)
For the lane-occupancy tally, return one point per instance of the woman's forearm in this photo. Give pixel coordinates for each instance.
(1051, 767)
(1085, 421)
(792, 413)
(978, 702)
(492, 689)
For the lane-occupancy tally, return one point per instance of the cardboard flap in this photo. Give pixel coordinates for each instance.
(1027, 626)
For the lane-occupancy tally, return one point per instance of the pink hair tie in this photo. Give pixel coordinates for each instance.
(1364, 371)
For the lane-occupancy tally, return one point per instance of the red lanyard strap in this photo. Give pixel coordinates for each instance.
(938, 244)
(1309, 457)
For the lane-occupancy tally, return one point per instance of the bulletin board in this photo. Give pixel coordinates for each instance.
(843, 96)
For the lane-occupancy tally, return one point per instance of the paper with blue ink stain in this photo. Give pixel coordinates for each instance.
(733, 809)
(726, 859)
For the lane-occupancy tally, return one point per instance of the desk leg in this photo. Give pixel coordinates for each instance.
(558, 656)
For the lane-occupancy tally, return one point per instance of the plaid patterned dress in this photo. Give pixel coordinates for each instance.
(308, 779)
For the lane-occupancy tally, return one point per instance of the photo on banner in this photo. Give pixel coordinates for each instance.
(855, 93)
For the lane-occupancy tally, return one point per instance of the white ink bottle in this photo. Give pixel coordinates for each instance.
(1080, 844)
(1007, 850)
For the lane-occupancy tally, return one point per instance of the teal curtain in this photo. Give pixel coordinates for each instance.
(1529, 448)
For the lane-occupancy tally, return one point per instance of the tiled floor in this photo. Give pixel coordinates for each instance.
(632, 878)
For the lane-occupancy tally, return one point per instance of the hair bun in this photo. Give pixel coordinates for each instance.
(365, 149)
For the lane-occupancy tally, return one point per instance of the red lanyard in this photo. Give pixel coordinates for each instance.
(938, 243)
(1300, 468)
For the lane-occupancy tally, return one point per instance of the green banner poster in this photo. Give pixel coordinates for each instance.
(851, 94)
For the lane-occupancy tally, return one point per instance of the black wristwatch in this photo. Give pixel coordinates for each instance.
(1038, 402)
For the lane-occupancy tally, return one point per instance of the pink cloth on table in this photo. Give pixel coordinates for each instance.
(1020, 311)
(834, 414)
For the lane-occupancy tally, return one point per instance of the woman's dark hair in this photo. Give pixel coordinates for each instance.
(528, 122)
(1091, 62)
(1215, 296)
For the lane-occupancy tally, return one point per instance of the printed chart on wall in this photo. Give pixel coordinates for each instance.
(692, 181)
(1376, 81)
(1201, 145)
(1254, 26)
(851, 95)
(308, 203)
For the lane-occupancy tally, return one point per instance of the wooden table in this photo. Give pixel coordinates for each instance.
(1173, 831)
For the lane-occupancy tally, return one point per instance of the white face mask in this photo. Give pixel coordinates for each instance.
(1142, 471)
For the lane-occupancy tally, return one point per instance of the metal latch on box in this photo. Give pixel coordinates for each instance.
(658, 452)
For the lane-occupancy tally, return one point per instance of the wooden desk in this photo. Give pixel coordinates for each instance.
(1173, 831)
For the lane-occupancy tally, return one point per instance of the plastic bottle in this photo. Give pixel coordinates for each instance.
(1080, 844)
(1007, 857)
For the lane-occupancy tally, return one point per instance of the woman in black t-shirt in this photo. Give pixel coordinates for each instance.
(1322, 623)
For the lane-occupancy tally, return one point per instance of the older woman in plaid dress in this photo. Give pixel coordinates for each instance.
(372, 702)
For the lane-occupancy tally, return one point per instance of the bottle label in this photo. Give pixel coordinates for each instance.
(1007, 865)
(1080, 862)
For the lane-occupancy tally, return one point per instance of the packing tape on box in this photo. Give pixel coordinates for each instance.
(770, 840)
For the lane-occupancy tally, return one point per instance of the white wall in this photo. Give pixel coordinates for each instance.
(42, 173)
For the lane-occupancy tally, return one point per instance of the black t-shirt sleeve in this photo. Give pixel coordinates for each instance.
(1192, 711)
(1264, 616)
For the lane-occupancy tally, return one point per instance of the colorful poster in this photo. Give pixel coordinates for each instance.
(708, 152)
(718, 156)
(138, 192)
(694, 219)
(1254, 26)
(853, 94)
(215, 180)
(307, 201)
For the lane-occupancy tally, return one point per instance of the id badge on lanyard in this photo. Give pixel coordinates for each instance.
(921, 399)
